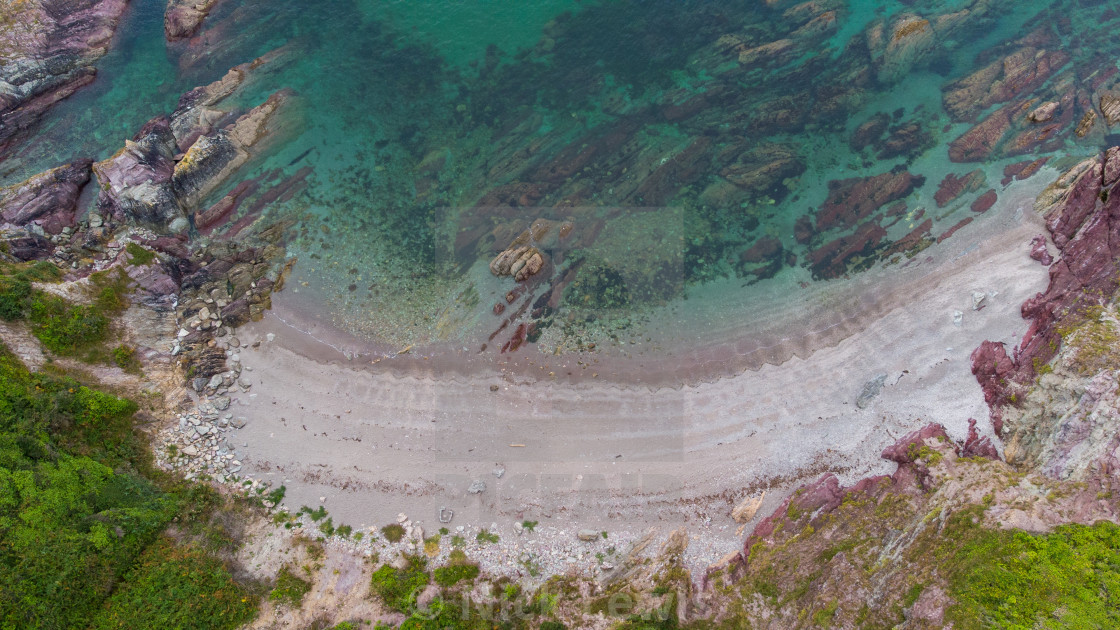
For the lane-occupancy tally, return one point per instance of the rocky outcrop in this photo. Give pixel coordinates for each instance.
(153, 182)
(47, 52)
(135, 183)
(48, 199)
(183, 18)
(1083, 218)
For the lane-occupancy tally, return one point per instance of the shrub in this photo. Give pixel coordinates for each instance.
(393, 532)
(455, 573)
(178, 587)
(398, 588)
(290, 588)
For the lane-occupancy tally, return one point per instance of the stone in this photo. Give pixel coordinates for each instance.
(747, 508)
(238, 422)
(979, 300)
(477, 487)
(221, 403)
(499, 471)
(870, 390)
(588, 535)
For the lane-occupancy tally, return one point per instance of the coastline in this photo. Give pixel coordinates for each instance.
(623, 452)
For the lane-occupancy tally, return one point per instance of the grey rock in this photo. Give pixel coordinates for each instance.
(477, 487)
(588, 535)
(238, 423)
(221, 403)
(199, 384)
(871, 389)
(499, 471)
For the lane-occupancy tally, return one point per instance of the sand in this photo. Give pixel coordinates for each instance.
(621, 453)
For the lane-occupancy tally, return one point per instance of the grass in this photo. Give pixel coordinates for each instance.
(485, 536)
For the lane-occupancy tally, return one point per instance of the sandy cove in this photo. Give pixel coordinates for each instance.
(404, 435)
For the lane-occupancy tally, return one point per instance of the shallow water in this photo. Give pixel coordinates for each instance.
(434, 132)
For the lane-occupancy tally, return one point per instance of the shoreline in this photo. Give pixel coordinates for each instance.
(411, 435)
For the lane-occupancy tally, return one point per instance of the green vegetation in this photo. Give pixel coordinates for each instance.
(83, 514)
(290, 588)
(393, 533)
(455, 573)
(178, 587)
(138, 256)
(485, 536)
(398, 588)
(62, 327)
(529, 526)
(1008, 579)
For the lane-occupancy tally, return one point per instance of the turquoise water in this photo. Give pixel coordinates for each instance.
(433, 132)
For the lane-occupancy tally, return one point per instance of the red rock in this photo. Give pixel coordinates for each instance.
(803, 230)
(48, 199)
(953, 230)
(903, 451)
(831, 260)
(952, 187)
(1039, 251)
(870, 132)
(852, 200)
(992, 368)
(764, 249)
(1022, 170)
(984, 202)
(1076, 207)
(978, 143)
(977, 446)
(911, 240)
(183, 18)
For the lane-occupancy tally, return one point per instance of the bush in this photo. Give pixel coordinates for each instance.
(451, 575)
(1008, 579)
(398, 588)
(64, 328)
(178, 587)
(290, 588)
(393, 533)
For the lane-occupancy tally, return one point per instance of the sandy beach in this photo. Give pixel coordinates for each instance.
(370, 438)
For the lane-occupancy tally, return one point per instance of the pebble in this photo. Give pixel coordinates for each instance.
(477, 487)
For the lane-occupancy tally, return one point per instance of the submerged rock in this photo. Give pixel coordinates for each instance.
(183, 18)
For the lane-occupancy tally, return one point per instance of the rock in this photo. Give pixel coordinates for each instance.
(588, 535)
(984, 202)
(870, 390)
(1043, 113)
(221, 403)
(763, 168)
(190, 451)
(270, 337)
(238, 422)
(499, 471)
(49, 199)
(746, 509)
(979, 300)
(852, 200)
(477, 487)
(1039, 251)
(958, 318)
(978, 143)
(183, 18)
(952, 186)
(49, 52)
(1110, 108)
